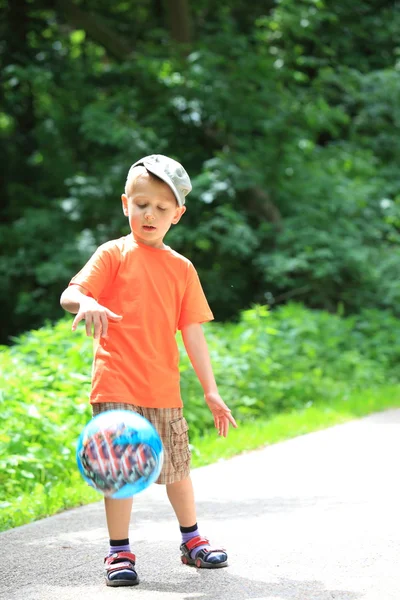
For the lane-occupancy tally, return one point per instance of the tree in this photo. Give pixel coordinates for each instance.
(285, 120)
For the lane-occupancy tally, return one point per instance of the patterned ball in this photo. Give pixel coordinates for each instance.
(119, 453)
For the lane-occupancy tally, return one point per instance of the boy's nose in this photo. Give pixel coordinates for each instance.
(149, 216)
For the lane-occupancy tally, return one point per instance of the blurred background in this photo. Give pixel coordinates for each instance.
(286, 114)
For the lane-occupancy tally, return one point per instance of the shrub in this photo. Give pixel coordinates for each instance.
(268, 362)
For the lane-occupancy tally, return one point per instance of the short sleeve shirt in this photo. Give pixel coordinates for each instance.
(156, 291)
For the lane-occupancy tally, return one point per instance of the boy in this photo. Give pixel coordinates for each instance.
(134, 293)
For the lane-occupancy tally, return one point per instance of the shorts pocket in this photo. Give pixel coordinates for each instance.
(179, 443)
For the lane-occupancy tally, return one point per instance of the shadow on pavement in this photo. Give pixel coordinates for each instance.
(233, 587)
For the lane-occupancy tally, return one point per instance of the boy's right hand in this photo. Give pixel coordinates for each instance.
(96, 317)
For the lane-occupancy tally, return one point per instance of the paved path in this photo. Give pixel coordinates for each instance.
(314, 518)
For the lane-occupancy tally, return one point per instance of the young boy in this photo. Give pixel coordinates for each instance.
(134, 293)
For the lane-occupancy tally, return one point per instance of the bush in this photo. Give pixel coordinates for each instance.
(266, 363)
(287, 127)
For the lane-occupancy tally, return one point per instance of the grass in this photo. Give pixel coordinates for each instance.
(47, 500)
(283, 426)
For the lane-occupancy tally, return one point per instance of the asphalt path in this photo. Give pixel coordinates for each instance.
(313, 518)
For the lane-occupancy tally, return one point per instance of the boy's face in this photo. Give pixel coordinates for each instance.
(151, 208)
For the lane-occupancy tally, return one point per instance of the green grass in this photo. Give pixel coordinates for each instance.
(283, 426)
(283, 373)
(46, 500)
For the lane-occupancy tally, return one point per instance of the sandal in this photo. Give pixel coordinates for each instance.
(202, 558)
(120, 569)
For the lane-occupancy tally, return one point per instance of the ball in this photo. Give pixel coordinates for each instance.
(119, 453)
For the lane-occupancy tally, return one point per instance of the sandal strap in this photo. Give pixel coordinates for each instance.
(118, 558)
(204, 553)
(196, 541)
(120, 566)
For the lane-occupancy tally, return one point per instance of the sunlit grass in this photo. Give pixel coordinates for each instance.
(47, 500)
(283, 373)
(253, 435)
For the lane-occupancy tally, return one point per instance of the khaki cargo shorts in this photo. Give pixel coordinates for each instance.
(172, 428)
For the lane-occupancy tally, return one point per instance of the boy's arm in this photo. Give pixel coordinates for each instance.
(76, 301)
(196, 347)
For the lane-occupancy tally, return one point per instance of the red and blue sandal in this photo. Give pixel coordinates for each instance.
(120, 569)
(207, 558)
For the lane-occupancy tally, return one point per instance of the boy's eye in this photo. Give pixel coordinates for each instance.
(144, 206)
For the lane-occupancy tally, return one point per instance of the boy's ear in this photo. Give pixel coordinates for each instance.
(125, 204)
(178, 213)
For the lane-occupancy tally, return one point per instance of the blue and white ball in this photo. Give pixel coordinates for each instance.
(119, 453)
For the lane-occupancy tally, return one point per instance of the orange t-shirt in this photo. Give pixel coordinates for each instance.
(157, 292)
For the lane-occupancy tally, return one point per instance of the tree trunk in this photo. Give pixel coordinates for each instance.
(97, 29)
(180, 24)
(14, 157)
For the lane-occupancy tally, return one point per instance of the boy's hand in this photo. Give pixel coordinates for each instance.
(221, 413)
(96, 316)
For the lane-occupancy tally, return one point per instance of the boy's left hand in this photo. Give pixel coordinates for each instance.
(221, 413)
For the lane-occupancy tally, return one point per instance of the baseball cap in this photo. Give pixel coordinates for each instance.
(170, 171)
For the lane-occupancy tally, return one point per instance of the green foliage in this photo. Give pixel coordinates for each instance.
(285, 114)
(292, 357)
(267, 363)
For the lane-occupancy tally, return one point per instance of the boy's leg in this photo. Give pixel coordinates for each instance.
(120, 562)
(175, 474)
(181, 496)
(118, 515)
(195, 549)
